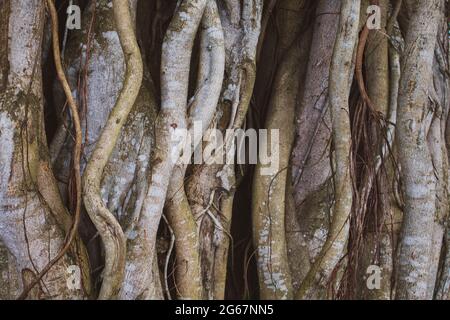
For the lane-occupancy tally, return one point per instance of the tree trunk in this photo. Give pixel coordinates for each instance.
(224, 149)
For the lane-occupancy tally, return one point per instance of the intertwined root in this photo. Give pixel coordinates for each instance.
(362, 176)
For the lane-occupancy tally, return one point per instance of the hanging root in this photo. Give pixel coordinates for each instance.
(371, 146)
(109, 229)
(76, 152)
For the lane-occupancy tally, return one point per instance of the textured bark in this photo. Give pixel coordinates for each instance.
(175, 66)
(359, 177)
(413, 120)
(442, 88)
(33, 219)
(377, 248)
(125, 180)
(307, 225)
(110, 231)
(216, 184)
(269, 191)
(339, 88)
(201, 111)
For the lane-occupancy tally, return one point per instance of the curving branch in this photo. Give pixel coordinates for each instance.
(175, 66)
(109, 229)
(241, 31)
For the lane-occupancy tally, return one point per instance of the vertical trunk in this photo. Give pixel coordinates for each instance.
(413, 124)
(316, 280)
(269, 190)
(308, 225)
(32, 217)
(439, 150)
(211, 189)
(200, 111)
